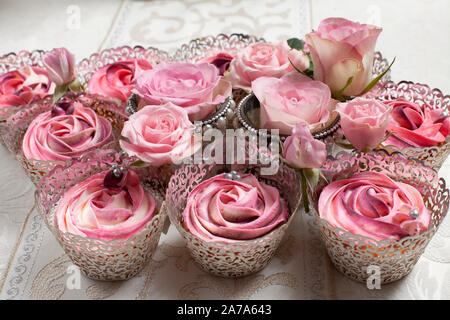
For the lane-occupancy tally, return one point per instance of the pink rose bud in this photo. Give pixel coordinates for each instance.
(299, 58)
(301, 150)
(364, 121)
(341, 49)
(60, 64)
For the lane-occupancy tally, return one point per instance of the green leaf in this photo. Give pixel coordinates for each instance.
(349, 82)
(374, 81)
(59, 92)
(75, 86)
(139, 164)
(295, 43)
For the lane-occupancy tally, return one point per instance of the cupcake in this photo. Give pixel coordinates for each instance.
(44, 135)
(378, 210)
(107, 219)
(232, 222)
(66, 131)
(221, 209)
(420, 122)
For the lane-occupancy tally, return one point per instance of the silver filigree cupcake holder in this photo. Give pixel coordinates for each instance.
(119, 259)
(17, 124)
(353, 254)
(87, 67)
(423, 95)
(239, 258)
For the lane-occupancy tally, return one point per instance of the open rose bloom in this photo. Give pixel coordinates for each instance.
(40, 140)
(198, 88)
(101, 248)
(378, 210)
(235, 230)
(420, 122)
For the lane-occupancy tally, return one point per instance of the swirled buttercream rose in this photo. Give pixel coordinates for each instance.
(225, 210)
(372, 205)
(221, 60)
(198, 88)
(90, 209)
(116, 80)
(20, 87)
(159, 135)
(341, 49)
(58, 136)
(416, 126)
(292, 99)
(259, 60)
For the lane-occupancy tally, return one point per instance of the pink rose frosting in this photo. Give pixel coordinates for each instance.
(292, 99)
(20, 87)
(259, 60)
(198, 88)
(301, 150)
(221, 60)
(159, 134)
(364, 121)
(372, 205)
(89, 209)
(61, 137)
(116, 80)
(224, 210)
(416, 126)
(341, 49)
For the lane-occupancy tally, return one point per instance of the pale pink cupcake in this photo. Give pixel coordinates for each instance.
(232, 222)
(378, 211)
(107, 217)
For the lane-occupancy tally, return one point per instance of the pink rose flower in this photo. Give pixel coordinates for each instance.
(292, 99)
(341, 49)
(416, 126)
(224, 210)
(259, 60)
(372, 205)
(117, 79)
(299, 58)
(364, 121)
(159, 135)
(60, 64)
(198, 88)
(222, 61)
(301, 150)
(89, 209)
(59, 137)
(20, 87)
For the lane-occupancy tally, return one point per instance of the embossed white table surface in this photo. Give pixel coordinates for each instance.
(32, 265)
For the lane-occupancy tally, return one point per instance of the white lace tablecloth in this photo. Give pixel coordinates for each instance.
(32, 264)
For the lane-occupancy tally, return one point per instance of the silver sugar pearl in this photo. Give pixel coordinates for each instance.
(414, 213)
(232, 104)
(207, 127)
(116, 172)
(444, 114)
(122, 169)
(228, 176)
(233, 172)
(237, 177)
